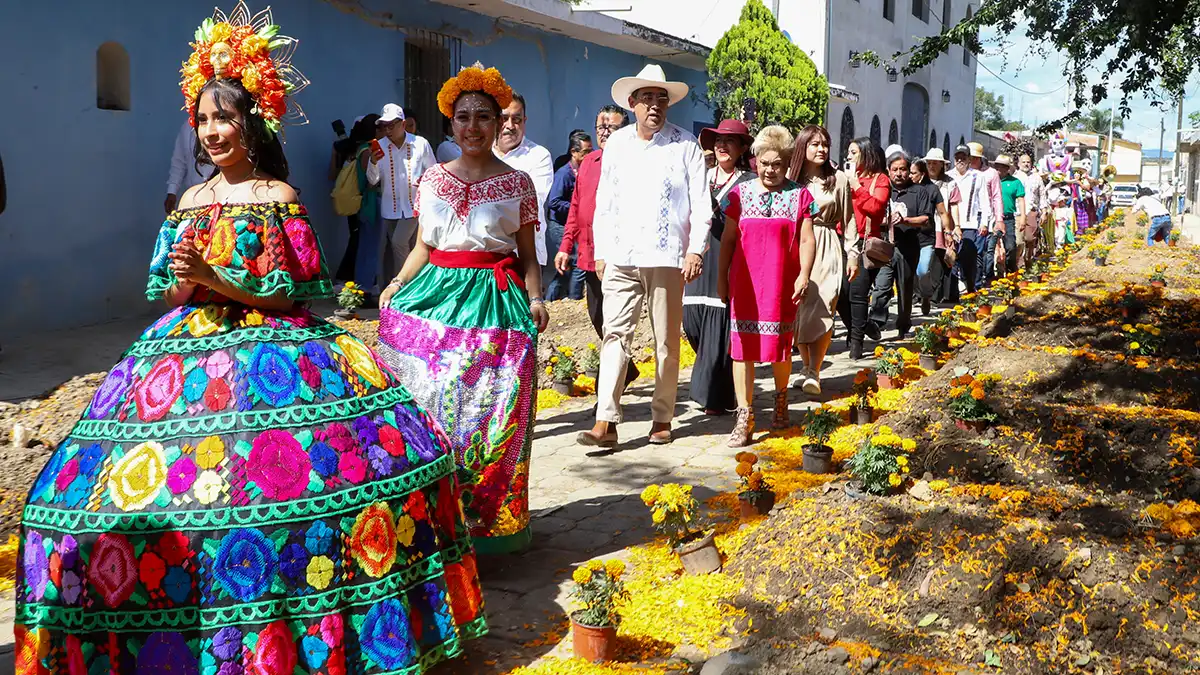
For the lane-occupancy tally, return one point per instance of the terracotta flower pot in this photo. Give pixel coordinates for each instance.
(1022, 284)
(1158, 284)
(971, 425)
(593, 644)
(700, 556)
(887, 381)
(927, 361)
(763, 502)
(1172, 244)
(954, 333)
(818, 459)
(983, 311)
(562, 386)
(861, 415)
(1045, 278)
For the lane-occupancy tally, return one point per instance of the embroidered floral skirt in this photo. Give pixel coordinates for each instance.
(246, 493)
(467, 351)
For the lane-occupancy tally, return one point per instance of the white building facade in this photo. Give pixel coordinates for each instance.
(934, 107)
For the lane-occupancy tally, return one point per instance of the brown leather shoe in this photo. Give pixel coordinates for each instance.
(660, 435)
(605, 440)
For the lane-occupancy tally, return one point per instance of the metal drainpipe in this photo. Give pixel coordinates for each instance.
(828, 50)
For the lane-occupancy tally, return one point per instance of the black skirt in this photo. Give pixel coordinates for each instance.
(707, 330)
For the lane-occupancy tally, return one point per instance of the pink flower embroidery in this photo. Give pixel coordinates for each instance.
(218, 364)
(181, 475)
(310, 373)
(113, 571)
(159, 390)
(352, 467)
(303, 255)
(275, 653)
(279, 465)
(331, 629)
(67, 474)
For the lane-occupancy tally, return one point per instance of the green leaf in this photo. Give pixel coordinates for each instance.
(280, 537)
(347, 525)
(139, 547)
(991, 659)
(305, 438)
(211, 546)
(277, 585)
(927, 619)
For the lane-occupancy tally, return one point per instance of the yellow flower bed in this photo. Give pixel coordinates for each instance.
(8, 563)
(553, 665)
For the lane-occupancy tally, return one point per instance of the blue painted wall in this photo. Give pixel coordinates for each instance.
(86, 185)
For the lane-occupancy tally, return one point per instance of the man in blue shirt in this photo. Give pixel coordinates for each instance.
(558, 207)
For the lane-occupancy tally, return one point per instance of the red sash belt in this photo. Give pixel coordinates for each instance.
(504, 266)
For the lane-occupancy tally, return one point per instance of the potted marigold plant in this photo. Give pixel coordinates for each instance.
(862, 391)
(1158, 278)
(755, 496)
(675, 513)
(984, 300)
(932, 342)
(968, 404)
(1173, 239)
(1144, 338)
(598, 587)
(1112, 237)
(590, 361)
(349, 299)
(881, 463)
(948, 322)
(819, 425)
(888, 366)
(562, 369)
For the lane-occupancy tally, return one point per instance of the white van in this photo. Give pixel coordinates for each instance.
(1124, 195)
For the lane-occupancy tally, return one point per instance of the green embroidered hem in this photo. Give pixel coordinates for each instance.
(506, 545)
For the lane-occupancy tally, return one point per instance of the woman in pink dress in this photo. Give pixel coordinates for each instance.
(767, 254)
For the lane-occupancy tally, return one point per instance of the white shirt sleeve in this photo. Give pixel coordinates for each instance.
(700, 219)
(372, 168)
(542, 174)
(425, 159)
(180, 156)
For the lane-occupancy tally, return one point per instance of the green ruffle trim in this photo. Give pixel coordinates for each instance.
(81, 620)
(237, 336)
(248, 421)
(343, 501)
(273, 283)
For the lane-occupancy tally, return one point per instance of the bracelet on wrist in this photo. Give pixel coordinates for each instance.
(536, 301)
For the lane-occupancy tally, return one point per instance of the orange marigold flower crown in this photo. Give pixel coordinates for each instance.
(251, 50)
(474, 78)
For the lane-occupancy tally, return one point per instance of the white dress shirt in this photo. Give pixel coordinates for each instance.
(652, 205)
(975, 209)
(399, 172)
(448, 151)
(535, 161)
(183, 174)
(1035, 190)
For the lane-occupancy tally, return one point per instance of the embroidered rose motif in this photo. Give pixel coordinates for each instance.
(361, 360)
(352, 467)
(275, 653)
(303, 254)
(245, 564)
(273, 375)
(331, 629)
(373, 539)
(113, 389)
(279, 465)
(156, 394)
(223, 243)
(166, 653)
(113, 571)
(138, 476)
(385, 635)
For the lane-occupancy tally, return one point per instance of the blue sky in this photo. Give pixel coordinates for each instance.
(1015, 64)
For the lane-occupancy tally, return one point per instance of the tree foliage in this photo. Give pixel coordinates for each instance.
(1147, 45)
(1096, 121)
(754, 60)
(989, 112)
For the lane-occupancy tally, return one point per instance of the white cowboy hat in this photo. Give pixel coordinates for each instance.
(651, 76)
(935, 155)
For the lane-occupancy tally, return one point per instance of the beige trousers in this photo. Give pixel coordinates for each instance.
(625, 289)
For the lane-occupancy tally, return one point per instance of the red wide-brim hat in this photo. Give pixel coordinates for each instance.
(726, 128)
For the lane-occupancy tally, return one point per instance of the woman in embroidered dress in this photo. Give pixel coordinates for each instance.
(457, 325)
(705, 314)
(249, 491)
(838, 245)
(767, 254)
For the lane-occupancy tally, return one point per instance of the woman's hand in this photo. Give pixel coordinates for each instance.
(541, 315)
(801, 289)
(723, 289)
(851, 272)
(189, 265)
(852, 176)
(385, 298)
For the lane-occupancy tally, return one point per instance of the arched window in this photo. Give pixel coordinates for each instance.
(893, 133)
(112, 77)
(946, 145)
(962, 141)
(932, 139)
(966, 49)
(876, 132)
(847, 133)
(945, 13)
(914, 119)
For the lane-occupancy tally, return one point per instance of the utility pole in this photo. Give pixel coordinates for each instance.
(1112, 120)
(1178, 139)
(1162, 132)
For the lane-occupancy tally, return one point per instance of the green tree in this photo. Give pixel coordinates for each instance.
(754, 60)
(1148, 44)
(1194, 119)
(989, 109)
(1096, 121)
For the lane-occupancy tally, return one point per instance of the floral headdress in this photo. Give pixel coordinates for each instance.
(474, 78)
(250, 50)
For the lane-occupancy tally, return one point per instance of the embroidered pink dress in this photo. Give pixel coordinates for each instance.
(765, 266)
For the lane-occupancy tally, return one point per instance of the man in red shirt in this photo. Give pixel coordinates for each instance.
(579, 221)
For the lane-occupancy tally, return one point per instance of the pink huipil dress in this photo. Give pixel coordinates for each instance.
(765, 266)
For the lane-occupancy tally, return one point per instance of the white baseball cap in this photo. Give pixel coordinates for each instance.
(391, 113)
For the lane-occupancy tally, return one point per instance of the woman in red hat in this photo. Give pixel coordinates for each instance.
(705, 315)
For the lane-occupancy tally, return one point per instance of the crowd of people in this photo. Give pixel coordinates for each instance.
(252, 489)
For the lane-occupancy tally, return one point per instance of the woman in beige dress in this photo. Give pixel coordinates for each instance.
(836, 241)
